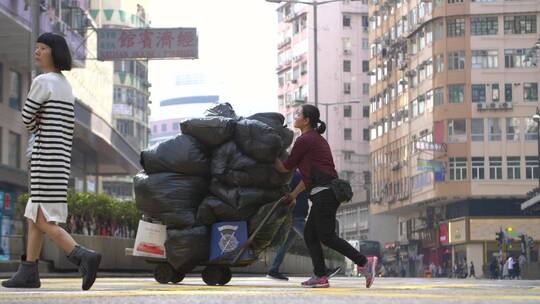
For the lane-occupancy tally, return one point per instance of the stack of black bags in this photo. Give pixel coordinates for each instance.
(219, 169)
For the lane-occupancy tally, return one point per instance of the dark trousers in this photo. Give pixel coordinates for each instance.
(321, 228)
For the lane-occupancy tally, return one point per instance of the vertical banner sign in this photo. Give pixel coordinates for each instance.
(148, 43)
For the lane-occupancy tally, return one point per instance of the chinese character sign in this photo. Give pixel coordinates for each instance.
(147, 43)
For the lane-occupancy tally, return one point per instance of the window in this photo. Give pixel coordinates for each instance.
(347, 134)
(494, 127)
(532, 129)
(520, 24)
(512, 129)
(14, 153)
(346, 65)
(454, 1)
(346, 21)
(485, 25)
(495, 93)
(365, 66)
(478, 93)
(365, 88)
(530, 91)
(438, 96)
(456, 93)
(515, 58)
(477, 129)
(176, 126)
(125, 127)
(15, 90)
(531, 167)
(439, 63)
(414, 108)
(347, 155)
(163, 128)
(508, 92)
(366, 111)
(485, 59)
(154, 129)
(458, 168)
(513, 167)
(347, 88)
(456, 60)
(366, 134)
(477, 164)
(495, 167)
(457, 130)
(347, 111)
(365, 44)
(456, 27)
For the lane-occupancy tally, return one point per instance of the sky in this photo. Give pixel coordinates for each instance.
(237, 53)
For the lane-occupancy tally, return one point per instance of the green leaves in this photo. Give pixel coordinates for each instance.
(100, 207)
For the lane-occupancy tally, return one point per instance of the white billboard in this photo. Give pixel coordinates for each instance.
(147, 43)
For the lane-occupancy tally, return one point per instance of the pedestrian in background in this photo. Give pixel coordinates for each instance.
(312, 156)
(472, 273)
(300, 213)
(48, 113)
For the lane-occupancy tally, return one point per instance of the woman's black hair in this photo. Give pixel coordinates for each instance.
(61, 55)
(312, 112)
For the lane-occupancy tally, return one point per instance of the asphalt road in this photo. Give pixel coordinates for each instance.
(260, 290)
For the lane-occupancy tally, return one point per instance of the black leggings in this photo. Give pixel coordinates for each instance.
(321, 228)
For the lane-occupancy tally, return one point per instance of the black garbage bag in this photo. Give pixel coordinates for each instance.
(257, 140)
(182, 154)
(244, 197)
(277, 122)
(188, 247)
(233, 168)
(170, 197)
(224, 110)
(213, 210)
(211, 131)
(265, 236)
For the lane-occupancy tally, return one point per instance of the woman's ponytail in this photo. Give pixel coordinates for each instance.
(321, 128)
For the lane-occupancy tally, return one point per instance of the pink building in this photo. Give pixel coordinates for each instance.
(343, 87)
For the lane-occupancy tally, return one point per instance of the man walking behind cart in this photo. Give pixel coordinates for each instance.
(300, 213)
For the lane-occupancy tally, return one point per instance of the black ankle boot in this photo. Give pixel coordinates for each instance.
(88, 263)
(27, 276)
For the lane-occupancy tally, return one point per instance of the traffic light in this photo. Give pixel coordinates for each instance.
(499, 236)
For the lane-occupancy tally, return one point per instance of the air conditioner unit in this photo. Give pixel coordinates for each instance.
(295, 81)
(493, 105)
(507, 105)
(365, 28)
(481, 106)
(347, 52)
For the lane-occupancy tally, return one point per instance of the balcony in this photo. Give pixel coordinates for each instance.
(494, 106)
(285, 42)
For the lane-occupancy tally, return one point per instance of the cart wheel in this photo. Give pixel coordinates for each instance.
(164, 273)
(179, 277)
(226, 275)
(212, 275)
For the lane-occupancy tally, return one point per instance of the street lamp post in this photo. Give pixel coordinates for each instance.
(536, 118)
(326, 115)
(315, 4)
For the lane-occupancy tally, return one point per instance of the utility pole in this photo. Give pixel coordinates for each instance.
(35, 9)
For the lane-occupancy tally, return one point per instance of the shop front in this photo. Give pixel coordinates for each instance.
(473, 239)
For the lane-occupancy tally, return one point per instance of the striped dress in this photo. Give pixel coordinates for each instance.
(51, 99)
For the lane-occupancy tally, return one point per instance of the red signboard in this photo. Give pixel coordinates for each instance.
(443, 234)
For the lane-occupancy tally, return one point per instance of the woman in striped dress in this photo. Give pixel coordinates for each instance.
(49, 115)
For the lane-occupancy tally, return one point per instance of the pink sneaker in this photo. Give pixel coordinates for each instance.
(316, 282)
(368, 270)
